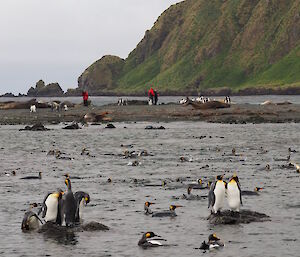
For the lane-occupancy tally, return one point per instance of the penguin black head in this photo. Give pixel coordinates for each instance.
(13, 173)
(87, 198)
(257, 189)
(209, 184)
(68, 183)
(173, 207)
(150, 235)
(213, 237)
(220, 177)
(148, 203)
(109, 180)
(235, 178)
(33, 205)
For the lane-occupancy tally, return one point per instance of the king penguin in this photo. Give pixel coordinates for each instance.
(234, 196)
(52, 207)
(69, 205)
(31, 221)
(216, 195)
(81, 199)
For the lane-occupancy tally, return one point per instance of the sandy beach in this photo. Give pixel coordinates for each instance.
(237, 113)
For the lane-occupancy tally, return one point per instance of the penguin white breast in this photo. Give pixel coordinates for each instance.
(81, 206)
(52, 208)
(154, 242)
(233, 196)
(219, 195)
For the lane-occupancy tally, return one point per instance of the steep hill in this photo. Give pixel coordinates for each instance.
(196, 45)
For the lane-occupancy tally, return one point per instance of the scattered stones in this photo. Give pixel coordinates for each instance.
(110, 126)
(152, 127)
(134, 163)
(35, 127)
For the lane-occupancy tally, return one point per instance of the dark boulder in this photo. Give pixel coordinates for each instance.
(152, 127)
(72, 126)
(110, 126)
(35, 127)
(244, 216)
(94, 226)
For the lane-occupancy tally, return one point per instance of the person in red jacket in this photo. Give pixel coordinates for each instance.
(85, 96)
(151, 95)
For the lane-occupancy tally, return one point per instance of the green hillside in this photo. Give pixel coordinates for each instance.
(198, 45)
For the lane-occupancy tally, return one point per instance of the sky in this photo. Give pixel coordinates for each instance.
(57, 40)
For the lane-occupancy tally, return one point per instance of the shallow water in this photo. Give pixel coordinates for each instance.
(104, 100)
(119, 204)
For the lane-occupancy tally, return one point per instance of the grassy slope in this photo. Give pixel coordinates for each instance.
(200, 44)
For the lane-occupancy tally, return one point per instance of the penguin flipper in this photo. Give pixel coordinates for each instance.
(44, 206)
(239, 187)
(35, 215)
(211, 195)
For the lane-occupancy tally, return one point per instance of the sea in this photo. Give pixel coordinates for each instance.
(120, 204)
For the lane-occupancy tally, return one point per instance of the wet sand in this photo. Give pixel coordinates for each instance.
(237, 113)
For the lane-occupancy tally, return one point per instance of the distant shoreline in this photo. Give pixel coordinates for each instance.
(236, 114)
(292, 90)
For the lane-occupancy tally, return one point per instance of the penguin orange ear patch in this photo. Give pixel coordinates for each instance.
(148, 235)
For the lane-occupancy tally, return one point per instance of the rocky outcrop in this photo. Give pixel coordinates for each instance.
(52, 89)
(244, 216)
(101, 76)
(8, 95)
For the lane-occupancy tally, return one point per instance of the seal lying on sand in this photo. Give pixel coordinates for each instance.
(94, 117)
(22, 105)
(207, 105)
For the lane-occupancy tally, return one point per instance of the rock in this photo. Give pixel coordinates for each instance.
(72, 126)
(94, 226)
(152, 127)
(8, 95)
(53, 229)
(52, 89)
(35, 127)
(244, 216)
(110, 126)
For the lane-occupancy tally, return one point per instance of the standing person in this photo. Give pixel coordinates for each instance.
(151, 95)
(85, 96)
(155, 97)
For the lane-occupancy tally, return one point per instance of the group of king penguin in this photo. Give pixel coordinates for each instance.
(216, 197)
(61, 208)
(219, 189)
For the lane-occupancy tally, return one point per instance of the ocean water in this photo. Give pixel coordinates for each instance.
(119, 204)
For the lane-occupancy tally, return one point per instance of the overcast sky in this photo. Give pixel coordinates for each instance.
(56, 40)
